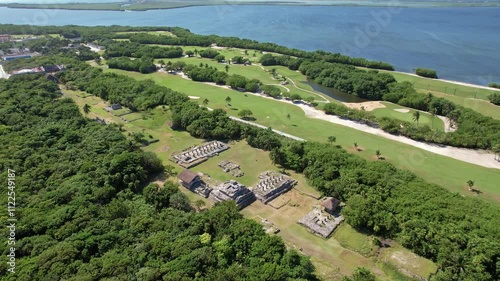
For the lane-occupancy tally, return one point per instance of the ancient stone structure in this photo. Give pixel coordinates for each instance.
(233, 190)
(195, 155)
(320, 223)
(271, 185)
(193, 182)
(231, 168)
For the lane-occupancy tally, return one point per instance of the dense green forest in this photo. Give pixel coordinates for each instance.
(143, 65)
(85, 212)
(127, 49)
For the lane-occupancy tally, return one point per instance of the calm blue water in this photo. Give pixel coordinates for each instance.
(460, 43)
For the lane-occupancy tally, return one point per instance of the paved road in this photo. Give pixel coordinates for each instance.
(264, 127)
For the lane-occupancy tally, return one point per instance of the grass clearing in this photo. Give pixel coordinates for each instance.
(471, 97)
(408, 262)
(350, 238)
(425, 118)
(447, 172)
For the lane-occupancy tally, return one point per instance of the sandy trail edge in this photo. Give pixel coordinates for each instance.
(478, 157)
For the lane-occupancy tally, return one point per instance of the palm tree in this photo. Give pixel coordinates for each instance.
(273, 72)
(227, 68)
(356, 145)
(332, 139)
(86, 109)
(378, 153)
(246, 52)
(470, 183)
(205, 102)
(433, 111)
(288, 116)
(195, 52)
(416, 116)
(162, 63)
(228, 100)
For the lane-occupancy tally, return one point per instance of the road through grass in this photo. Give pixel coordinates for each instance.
(447, 172)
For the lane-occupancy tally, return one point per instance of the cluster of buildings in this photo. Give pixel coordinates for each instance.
(18, 53)
(322, 220)
(45, 69)
(276, 184)
(198, 154)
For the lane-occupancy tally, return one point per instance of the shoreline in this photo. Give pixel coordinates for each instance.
(118, 6)
(449, 81)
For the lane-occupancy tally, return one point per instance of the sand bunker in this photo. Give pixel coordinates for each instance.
(194, 97)
(402, 110)
(368, 106)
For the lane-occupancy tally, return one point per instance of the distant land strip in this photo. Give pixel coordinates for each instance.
(144, 6)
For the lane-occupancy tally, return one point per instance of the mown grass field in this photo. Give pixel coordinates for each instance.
(471, 97)
(250, 72)
(424, 119)
(447, 172)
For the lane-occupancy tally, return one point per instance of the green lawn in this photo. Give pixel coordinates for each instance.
(250, 72)
(424, 119)
(474, 98)
(447, 172)
(354, 240)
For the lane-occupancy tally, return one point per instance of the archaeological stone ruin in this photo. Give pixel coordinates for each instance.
(232, 190)
(231, 168)
(195, 155)
(271, 185)
(320, 222)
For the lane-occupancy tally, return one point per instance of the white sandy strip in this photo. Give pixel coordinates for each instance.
(477, 157)
(194, 97)
(402, 110)
(264, 127)
(367, 105)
